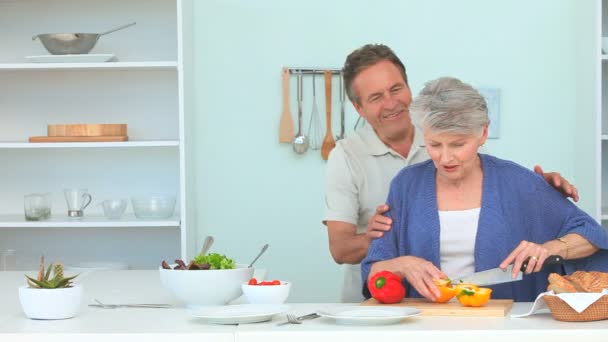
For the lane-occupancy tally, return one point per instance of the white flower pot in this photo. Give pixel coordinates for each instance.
(51, 303)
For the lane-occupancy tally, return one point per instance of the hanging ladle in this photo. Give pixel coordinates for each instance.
(207, 244)
(259, 255)
(300, 142)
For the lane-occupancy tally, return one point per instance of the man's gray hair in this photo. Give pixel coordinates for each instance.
(448, 105)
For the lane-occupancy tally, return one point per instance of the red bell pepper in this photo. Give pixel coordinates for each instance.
(386, 287)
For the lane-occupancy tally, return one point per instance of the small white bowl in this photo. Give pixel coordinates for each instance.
(114, 209)
(266, 294)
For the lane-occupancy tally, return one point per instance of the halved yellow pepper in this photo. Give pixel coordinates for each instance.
(471, 295)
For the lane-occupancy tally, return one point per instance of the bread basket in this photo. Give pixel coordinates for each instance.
(561, 311)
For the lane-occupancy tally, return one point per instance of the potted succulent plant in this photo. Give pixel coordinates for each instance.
(50, 295)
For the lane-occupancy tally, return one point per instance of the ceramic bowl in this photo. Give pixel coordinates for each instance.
(51, 303)
(205, 287)
(266, 294)
(156, 206)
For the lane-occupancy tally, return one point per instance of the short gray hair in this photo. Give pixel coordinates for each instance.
(448, 105)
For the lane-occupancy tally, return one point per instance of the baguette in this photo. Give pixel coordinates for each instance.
(579, 281)
(559, 284)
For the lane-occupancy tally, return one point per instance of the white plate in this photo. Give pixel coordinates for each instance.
(368, 315)
(84, 58)
(239, 314)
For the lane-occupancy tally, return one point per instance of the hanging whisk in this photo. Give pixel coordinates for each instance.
(314, 127)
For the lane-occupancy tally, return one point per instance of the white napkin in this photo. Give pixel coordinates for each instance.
(579, 301)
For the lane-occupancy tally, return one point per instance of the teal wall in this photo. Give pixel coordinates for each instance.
(251, 190)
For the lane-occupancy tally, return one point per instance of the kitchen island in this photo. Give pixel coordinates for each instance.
(136, 324)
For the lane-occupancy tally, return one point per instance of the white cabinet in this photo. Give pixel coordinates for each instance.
(145, 87)
(602, 110)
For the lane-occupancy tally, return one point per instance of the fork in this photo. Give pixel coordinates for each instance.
(115, 306)
(292, 319)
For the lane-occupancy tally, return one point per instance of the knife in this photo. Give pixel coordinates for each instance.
(498, 276)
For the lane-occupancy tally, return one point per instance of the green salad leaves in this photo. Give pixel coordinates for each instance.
(216, 261)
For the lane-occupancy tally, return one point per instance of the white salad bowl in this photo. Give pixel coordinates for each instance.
(205, 287)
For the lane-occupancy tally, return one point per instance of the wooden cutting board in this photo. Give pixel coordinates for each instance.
(86, 130)
(494, 308)
(78, 139)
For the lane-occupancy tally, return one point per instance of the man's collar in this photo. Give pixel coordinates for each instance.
(376, 147)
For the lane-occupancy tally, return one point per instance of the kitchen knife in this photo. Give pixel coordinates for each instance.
(498, 276)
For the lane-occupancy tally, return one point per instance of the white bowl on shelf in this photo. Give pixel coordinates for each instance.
(97, 266)
(153, 207)
(114, 209)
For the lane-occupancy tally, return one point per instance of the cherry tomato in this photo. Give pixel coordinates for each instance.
(252, 281)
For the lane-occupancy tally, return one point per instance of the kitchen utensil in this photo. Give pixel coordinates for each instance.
(300, 142)
(494, 307)
(498, 276)
(77, 200)
(114, 208)
(266, 294)
(207, 244)
(259, 255)
(77, 139)
(238, 314)
(342, 94)
(116, 306)
(368, 315)
(291, 319)
(328, 141)
(286, 122)
(314, 127)
(84, 58)
(360, 122)
(86, 130)
(298, 320)
(154, 206)
(37, 206)
(72, 43)
(206, 287)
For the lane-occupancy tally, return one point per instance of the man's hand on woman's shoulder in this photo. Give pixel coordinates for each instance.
(560, 183)
(379, 224)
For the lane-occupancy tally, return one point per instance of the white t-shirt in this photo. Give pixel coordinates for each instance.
(458, 229)
(359, 171)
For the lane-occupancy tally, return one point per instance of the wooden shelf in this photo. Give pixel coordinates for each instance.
(141, 143)
(160, 65)
(62, 221)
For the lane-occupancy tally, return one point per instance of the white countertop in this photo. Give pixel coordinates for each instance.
(155, 324)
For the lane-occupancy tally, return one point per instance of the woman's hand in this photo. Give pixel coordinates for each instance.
(378, 224)
(535, 253)
(420, 273)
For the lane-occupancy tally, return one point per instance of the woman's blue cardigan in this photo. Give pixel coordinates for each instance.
(516, 205)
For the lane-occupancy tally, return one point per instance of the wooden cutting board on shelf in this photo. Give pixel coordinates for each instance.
(493, 308)
(78, 139)
(86, 130)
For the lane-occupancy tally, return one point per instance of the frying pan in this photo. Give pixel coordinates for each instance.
(72, 43)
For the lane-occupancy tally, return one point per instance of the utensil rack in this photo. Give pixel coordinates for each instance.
(310, 71)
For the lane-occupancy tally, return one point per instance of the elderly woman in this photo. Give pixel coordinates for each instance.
(462, 212)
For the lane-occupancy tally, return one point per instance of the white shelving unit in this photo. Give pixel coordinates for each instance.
(145, 87)
(602, 112)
